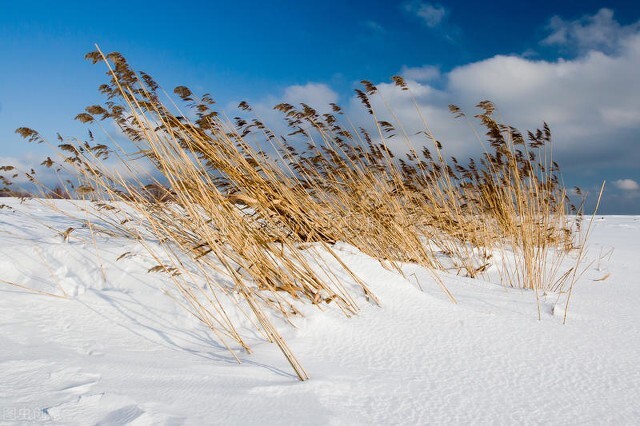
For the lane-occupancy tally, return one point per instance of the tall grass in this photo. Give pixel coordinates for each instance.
(255, 225)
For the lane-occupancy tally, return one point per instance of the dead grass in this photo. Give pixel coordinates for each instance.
(264, 220)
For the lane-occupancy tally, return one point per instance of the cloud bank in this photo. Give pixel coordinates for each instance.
(591, 100)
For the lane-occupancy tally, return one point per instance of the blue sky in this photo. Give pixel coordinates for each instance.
(571, 63)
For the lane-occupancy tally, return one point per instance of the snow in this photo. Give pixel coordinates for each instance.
(117, 350)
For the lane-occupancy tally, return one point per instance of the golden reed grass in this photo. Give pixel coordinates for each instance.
(245, 229)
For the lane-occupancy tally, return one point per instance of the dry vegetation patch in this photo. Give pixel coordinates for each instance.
(265, 218)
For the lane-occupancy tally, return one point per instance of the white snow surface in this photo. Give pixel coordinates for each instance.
(118, 350)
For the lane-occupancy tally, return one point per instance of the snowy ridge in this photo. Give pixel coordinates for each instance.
(117, 350)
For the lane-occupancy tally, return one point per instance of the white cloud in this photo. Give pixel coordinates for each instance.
(424, 73)
(592, 104)
(627, 184)
(50, 177)
(46, 177)
(398, 107)
(431, 14)
(597, 32)
(316, 95)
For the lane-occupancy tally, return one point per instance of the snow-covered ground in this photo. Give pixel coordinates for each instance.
(119, 351)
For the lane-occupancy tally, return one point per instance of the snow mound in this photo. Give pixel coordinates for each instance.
(112, 348)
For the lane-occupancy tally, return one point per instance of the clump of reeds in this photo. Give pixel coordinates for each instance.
(255, 224)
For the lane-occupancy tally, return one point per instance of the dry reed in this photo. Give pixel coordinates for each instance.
(254, 226)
